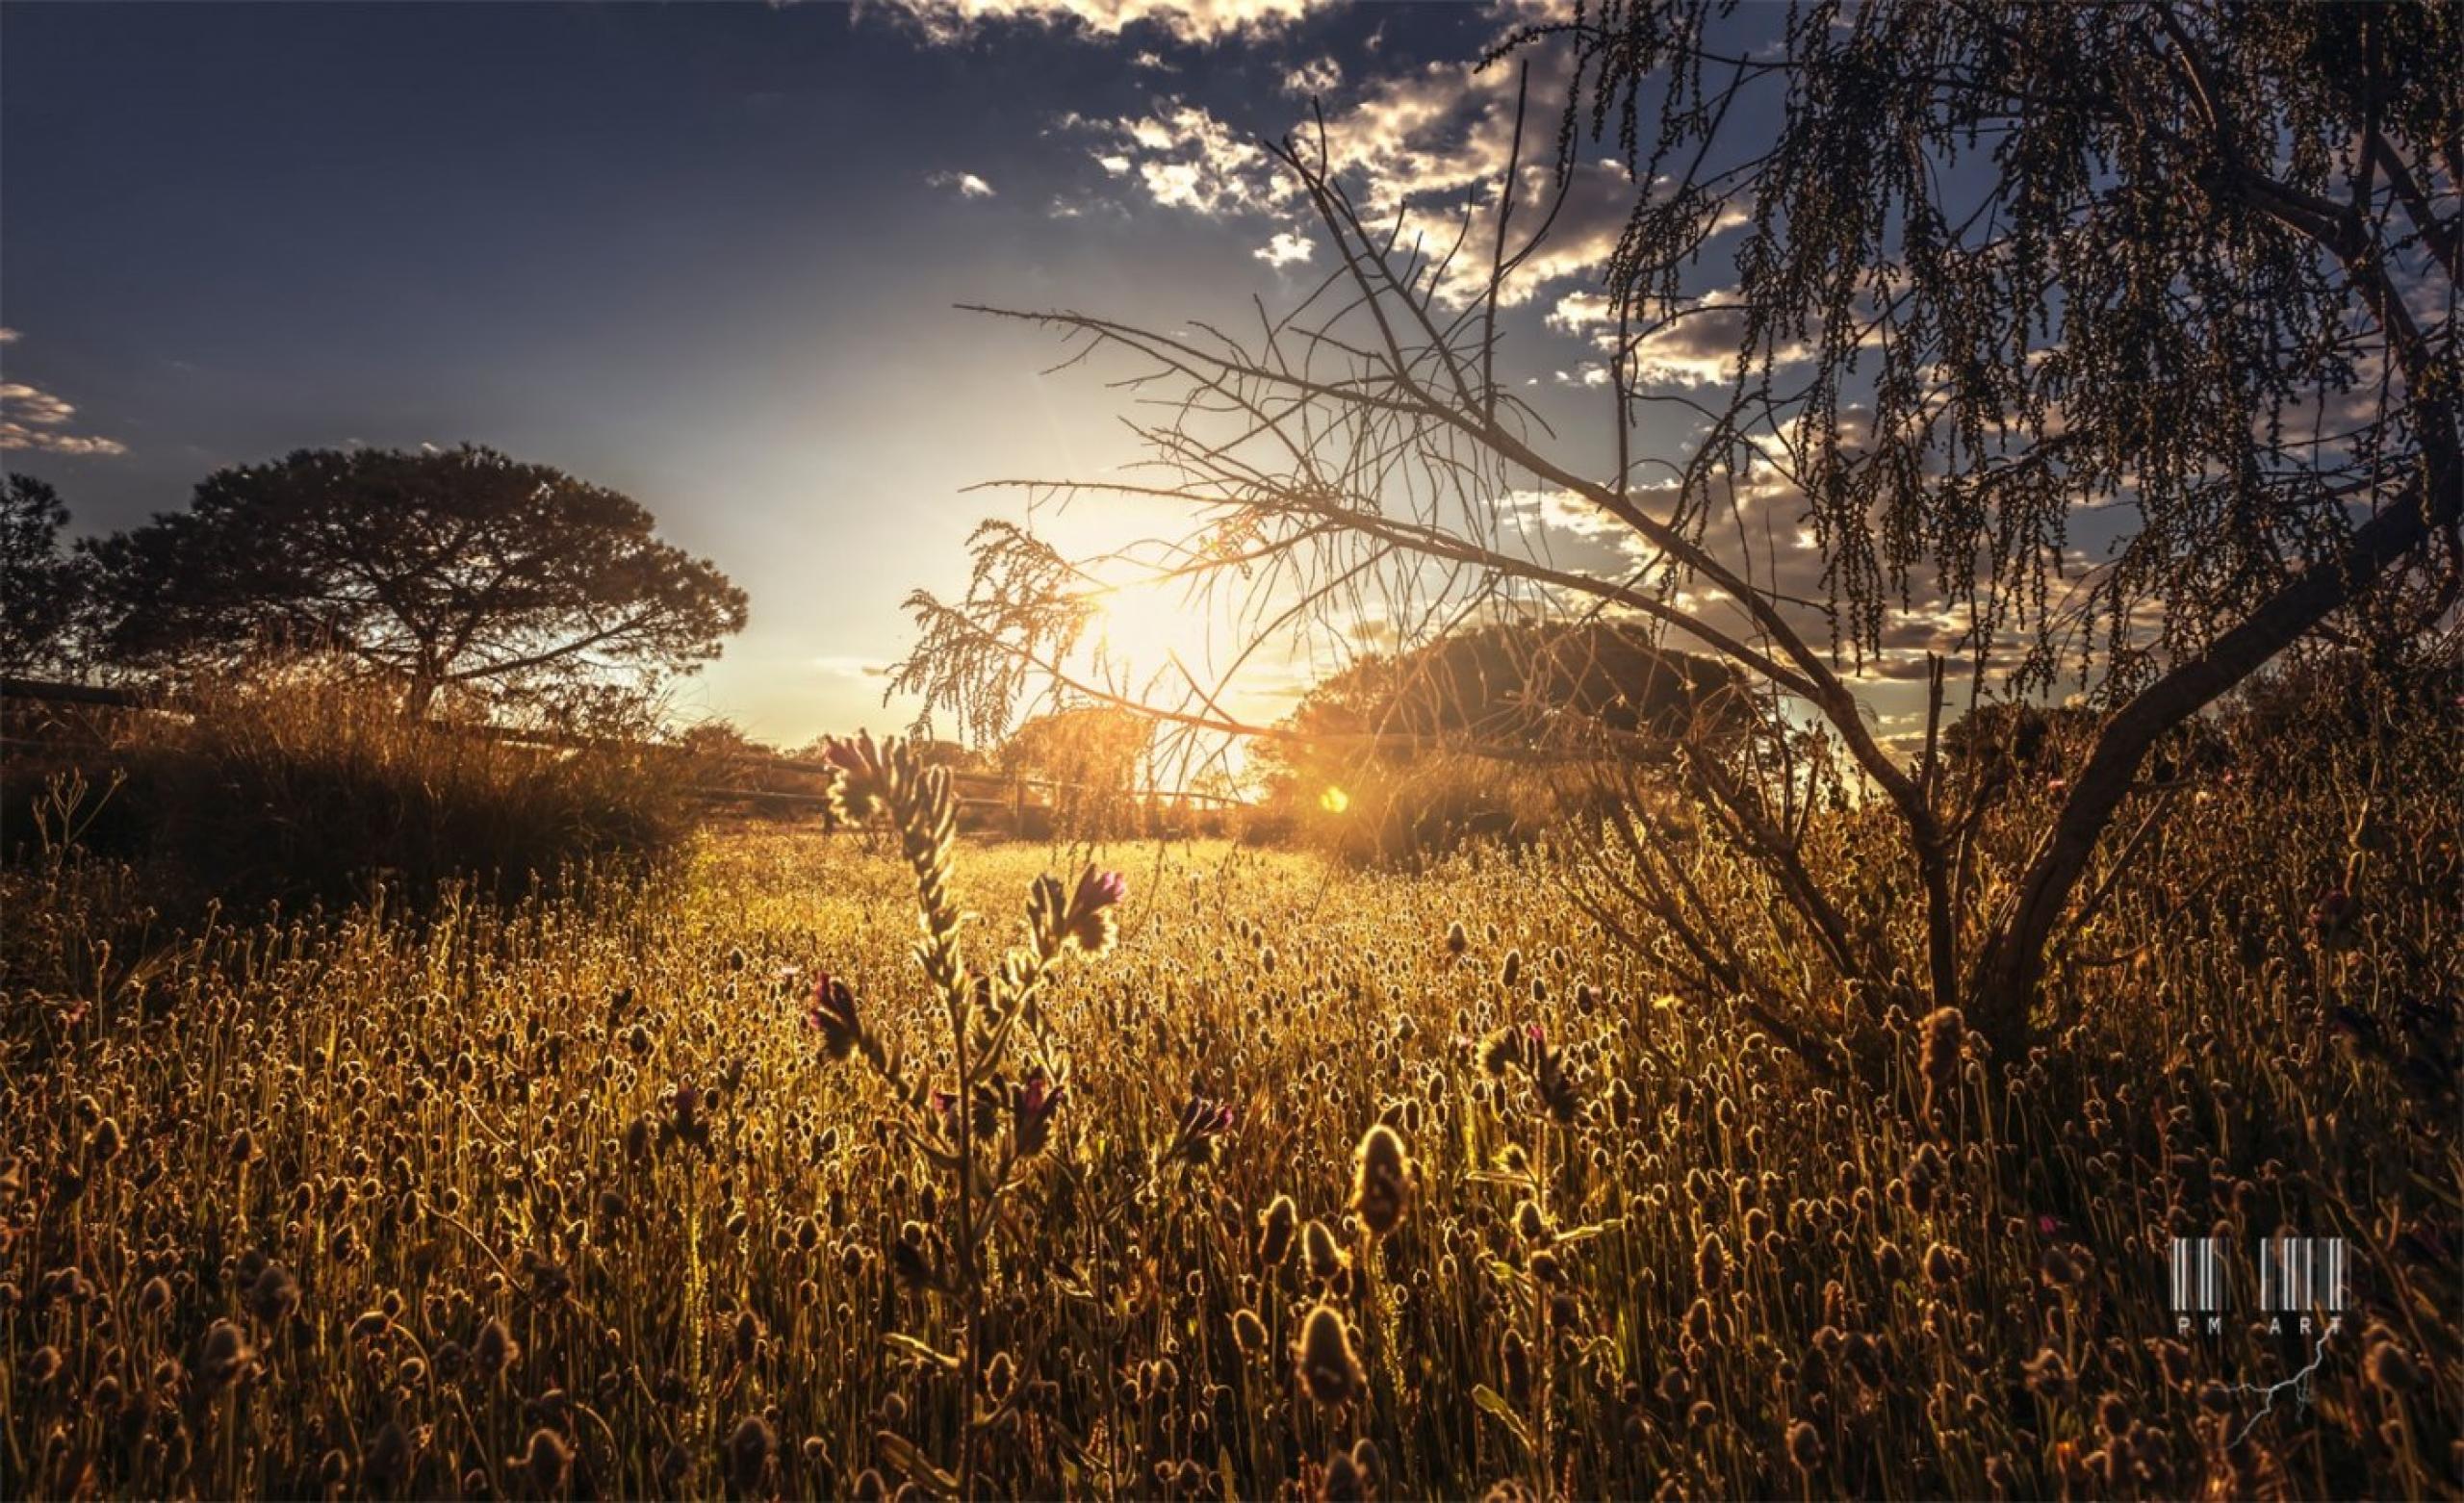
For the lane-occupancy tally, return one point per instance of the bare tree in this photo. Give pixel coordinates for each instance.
(2188, 270)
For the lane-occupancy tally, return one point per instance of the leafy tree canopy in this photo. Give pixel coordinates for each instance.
(1511, 687)
(455, 570)
(42, 589)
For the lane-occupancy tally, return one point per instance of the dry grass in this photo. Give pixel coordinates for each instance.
(566, 1197)
(307, 787)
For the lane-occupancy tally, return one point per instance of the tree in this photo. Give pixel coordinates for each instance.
(455, 570)
(42, 590)
(1993, 269)
(1092, 756)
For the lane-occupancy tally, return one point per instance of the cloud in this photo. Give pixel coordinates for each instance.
(1188, 21)
(1315, 77)
(1696, 346)
(1418, 144)
(1286, 249)
(8, 336)
(967, 184)
(1186, 158)
(32, 419)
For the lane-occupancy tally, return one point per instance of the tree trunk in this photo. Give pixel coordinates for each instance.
(2011, 971)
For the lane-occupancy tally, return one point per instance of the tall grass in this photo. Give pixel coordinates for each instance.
(1361, 1184)
(300, 786)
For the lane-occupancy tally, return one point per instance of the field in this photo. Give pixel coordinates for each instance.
(570, 1197)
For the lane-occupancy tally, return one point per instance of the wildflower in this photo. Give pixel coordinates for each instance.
(1032, 1104)
(1274, 1231)
(495, 1350)
(1343, 1482)
(830, 1013)
(388, 1461)
(857, 778)
(1710, 1262)
(2048, 1375)
(1202, 1122)
(542, 1464)
(1381, 1179)
(750, 1447)
(1090, 924)
(1456, 941)
(226, 1355)
(2331, 918)
(2390, 1369)
(1938, 1055)
(274, 1296)
(1323, 1358)
(1326, 1259)
(1529, 1223)
(1249, 1331)
(1804, 1446)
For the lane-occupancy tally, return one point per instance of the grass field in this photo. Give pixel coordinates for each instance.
(566, 1198)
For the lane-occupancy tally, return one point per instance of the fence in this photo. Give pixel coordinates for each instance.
(999, 796)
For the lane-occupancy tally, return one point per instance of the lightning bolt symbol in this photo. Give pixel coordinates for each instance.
(2298, 1383)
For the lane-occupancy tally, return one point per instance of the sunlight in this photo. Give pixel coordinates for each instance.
(1334, 800)
(1148, 631)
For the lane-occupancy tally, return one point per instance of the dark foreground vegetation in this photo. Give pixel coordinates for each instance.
(613, 1193)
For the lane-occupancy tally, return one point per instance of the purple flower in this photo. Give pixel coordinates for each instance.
(1032, 1108)
(830, 1013)
(1202, 1122)
(1090, 924)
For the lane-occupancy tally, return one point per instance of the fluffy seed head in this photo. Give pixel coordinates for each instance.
(1322, 1358)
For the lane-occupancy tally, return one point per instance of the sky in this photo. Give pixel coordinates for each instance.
(709, 255)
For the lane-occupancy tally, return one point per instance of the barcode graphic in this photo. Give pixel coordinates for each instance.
(2199, 1273)
(2302, 1273)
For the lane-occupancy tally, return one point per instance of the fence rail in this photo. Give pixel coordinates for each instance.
(1014, 792)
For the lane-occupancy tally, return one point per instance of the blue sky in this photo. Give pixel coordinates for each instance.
(703, 253)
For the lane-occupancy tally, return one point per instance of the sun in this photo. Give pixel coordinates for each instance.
(1150, 630)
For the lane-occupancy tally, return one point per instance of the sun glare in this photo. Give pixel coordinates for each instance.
(1334, 800)
(1150, 630)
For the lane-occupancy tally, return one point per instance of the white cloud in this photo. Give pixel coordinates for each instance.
(1315, 77)
(967, 184)
(1186, 158)
(32, 419)
(1286, 249)
(1418, 144)
(1192, 21)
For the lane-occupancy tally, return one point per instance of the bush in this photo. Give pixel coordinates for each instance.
(306, 788)
(1396, 813)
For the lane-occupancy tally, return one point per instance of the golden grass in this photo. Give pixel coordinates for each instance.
(563, 1198)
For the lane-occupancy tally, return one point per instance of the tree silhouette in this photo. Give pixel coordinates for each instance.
(42, 590)
(461, 569)
(2188, 269)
